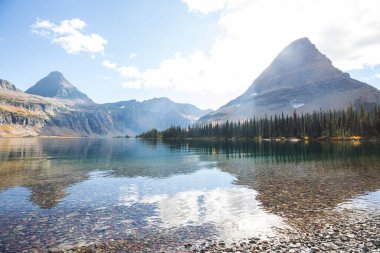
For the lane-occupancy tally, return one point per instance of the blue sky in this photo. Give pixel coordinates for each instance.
(204, 52)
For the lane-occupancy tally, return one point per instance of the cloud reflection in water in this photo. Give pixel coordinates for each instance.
(233, 211)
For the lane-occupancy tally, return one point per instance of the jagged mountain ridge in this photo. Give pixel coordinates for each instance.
(149, 113)
(23, 114)
(300, 78)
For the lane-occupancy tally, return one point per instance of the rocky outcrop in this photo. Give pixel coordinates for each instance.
(83, 123)
(6, 85)
(13, 118)
(300, 78)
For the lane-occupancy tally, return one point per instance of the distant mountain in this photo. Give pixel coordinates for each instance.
(55, 85)
(65, 111)
(300, 78)
(159, 113)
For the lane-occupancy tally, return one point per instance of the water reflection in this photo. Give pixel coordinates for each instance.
(278, 151)
(133, 189)
(235, 212)
(49, 166)
(299, 181)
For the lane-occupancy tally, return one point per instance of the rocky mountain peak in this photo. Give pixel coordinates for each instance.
(56, 75)
(57, 86)
(299, 53)
(297, 64)
(4, 84)
(299, 78)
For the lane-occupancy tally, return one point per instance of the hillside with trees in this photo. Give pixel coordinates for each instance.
(347, 123)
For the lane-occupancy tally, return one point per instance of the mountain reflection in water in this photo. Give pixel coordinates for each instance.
(183, 191)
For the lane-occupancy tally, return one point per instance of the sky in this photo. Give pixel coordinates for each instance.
(203, 52)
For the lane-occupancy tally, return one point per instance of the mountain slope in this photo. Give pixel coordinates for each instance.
(23, 114)
(55, 85)
(300, 78)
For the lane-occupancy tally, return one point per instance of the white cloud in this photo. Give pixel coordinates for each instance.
(68, 35)
(132, 55)
(109, 65)
(347, 31)
(253, 33)
(205, 7)
(180, 73)
(131, 74)
(377, 75)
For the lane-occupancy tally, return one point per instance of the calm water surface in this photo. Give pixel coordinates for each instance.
(63, 193)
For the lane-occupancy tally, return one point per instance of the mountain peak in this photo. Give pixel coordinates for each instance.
(56, 74)
(4, 84)
(305, 41)
(57, 86)
(297, 64)
(299, 53)
(300, 45)
(299, 78)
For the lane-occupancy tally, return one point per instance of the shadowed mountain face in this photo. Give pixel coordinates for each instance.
(53, 106)
(300, 78)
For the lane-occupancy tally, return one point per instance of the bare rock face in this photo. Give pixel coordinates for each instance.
(6, 85)
(300, 78)
(55, 85)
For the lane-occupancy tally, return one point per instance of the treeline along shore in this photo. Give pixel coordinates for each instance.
(344, 124)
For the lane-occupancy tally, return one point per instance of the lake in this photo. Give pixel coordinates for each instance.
(67, 193)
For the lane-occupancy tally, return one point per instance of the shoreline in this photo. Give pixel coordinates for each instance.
(274, 139)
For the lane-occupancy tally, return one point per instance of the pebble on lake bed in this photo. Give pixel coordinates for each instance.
(353, 233)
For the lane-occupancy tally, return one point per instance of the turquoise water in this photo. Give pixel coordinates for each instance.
(64, 193)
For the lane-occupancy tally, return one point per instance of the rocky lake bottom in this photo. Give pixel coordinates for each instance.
(127, 195)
